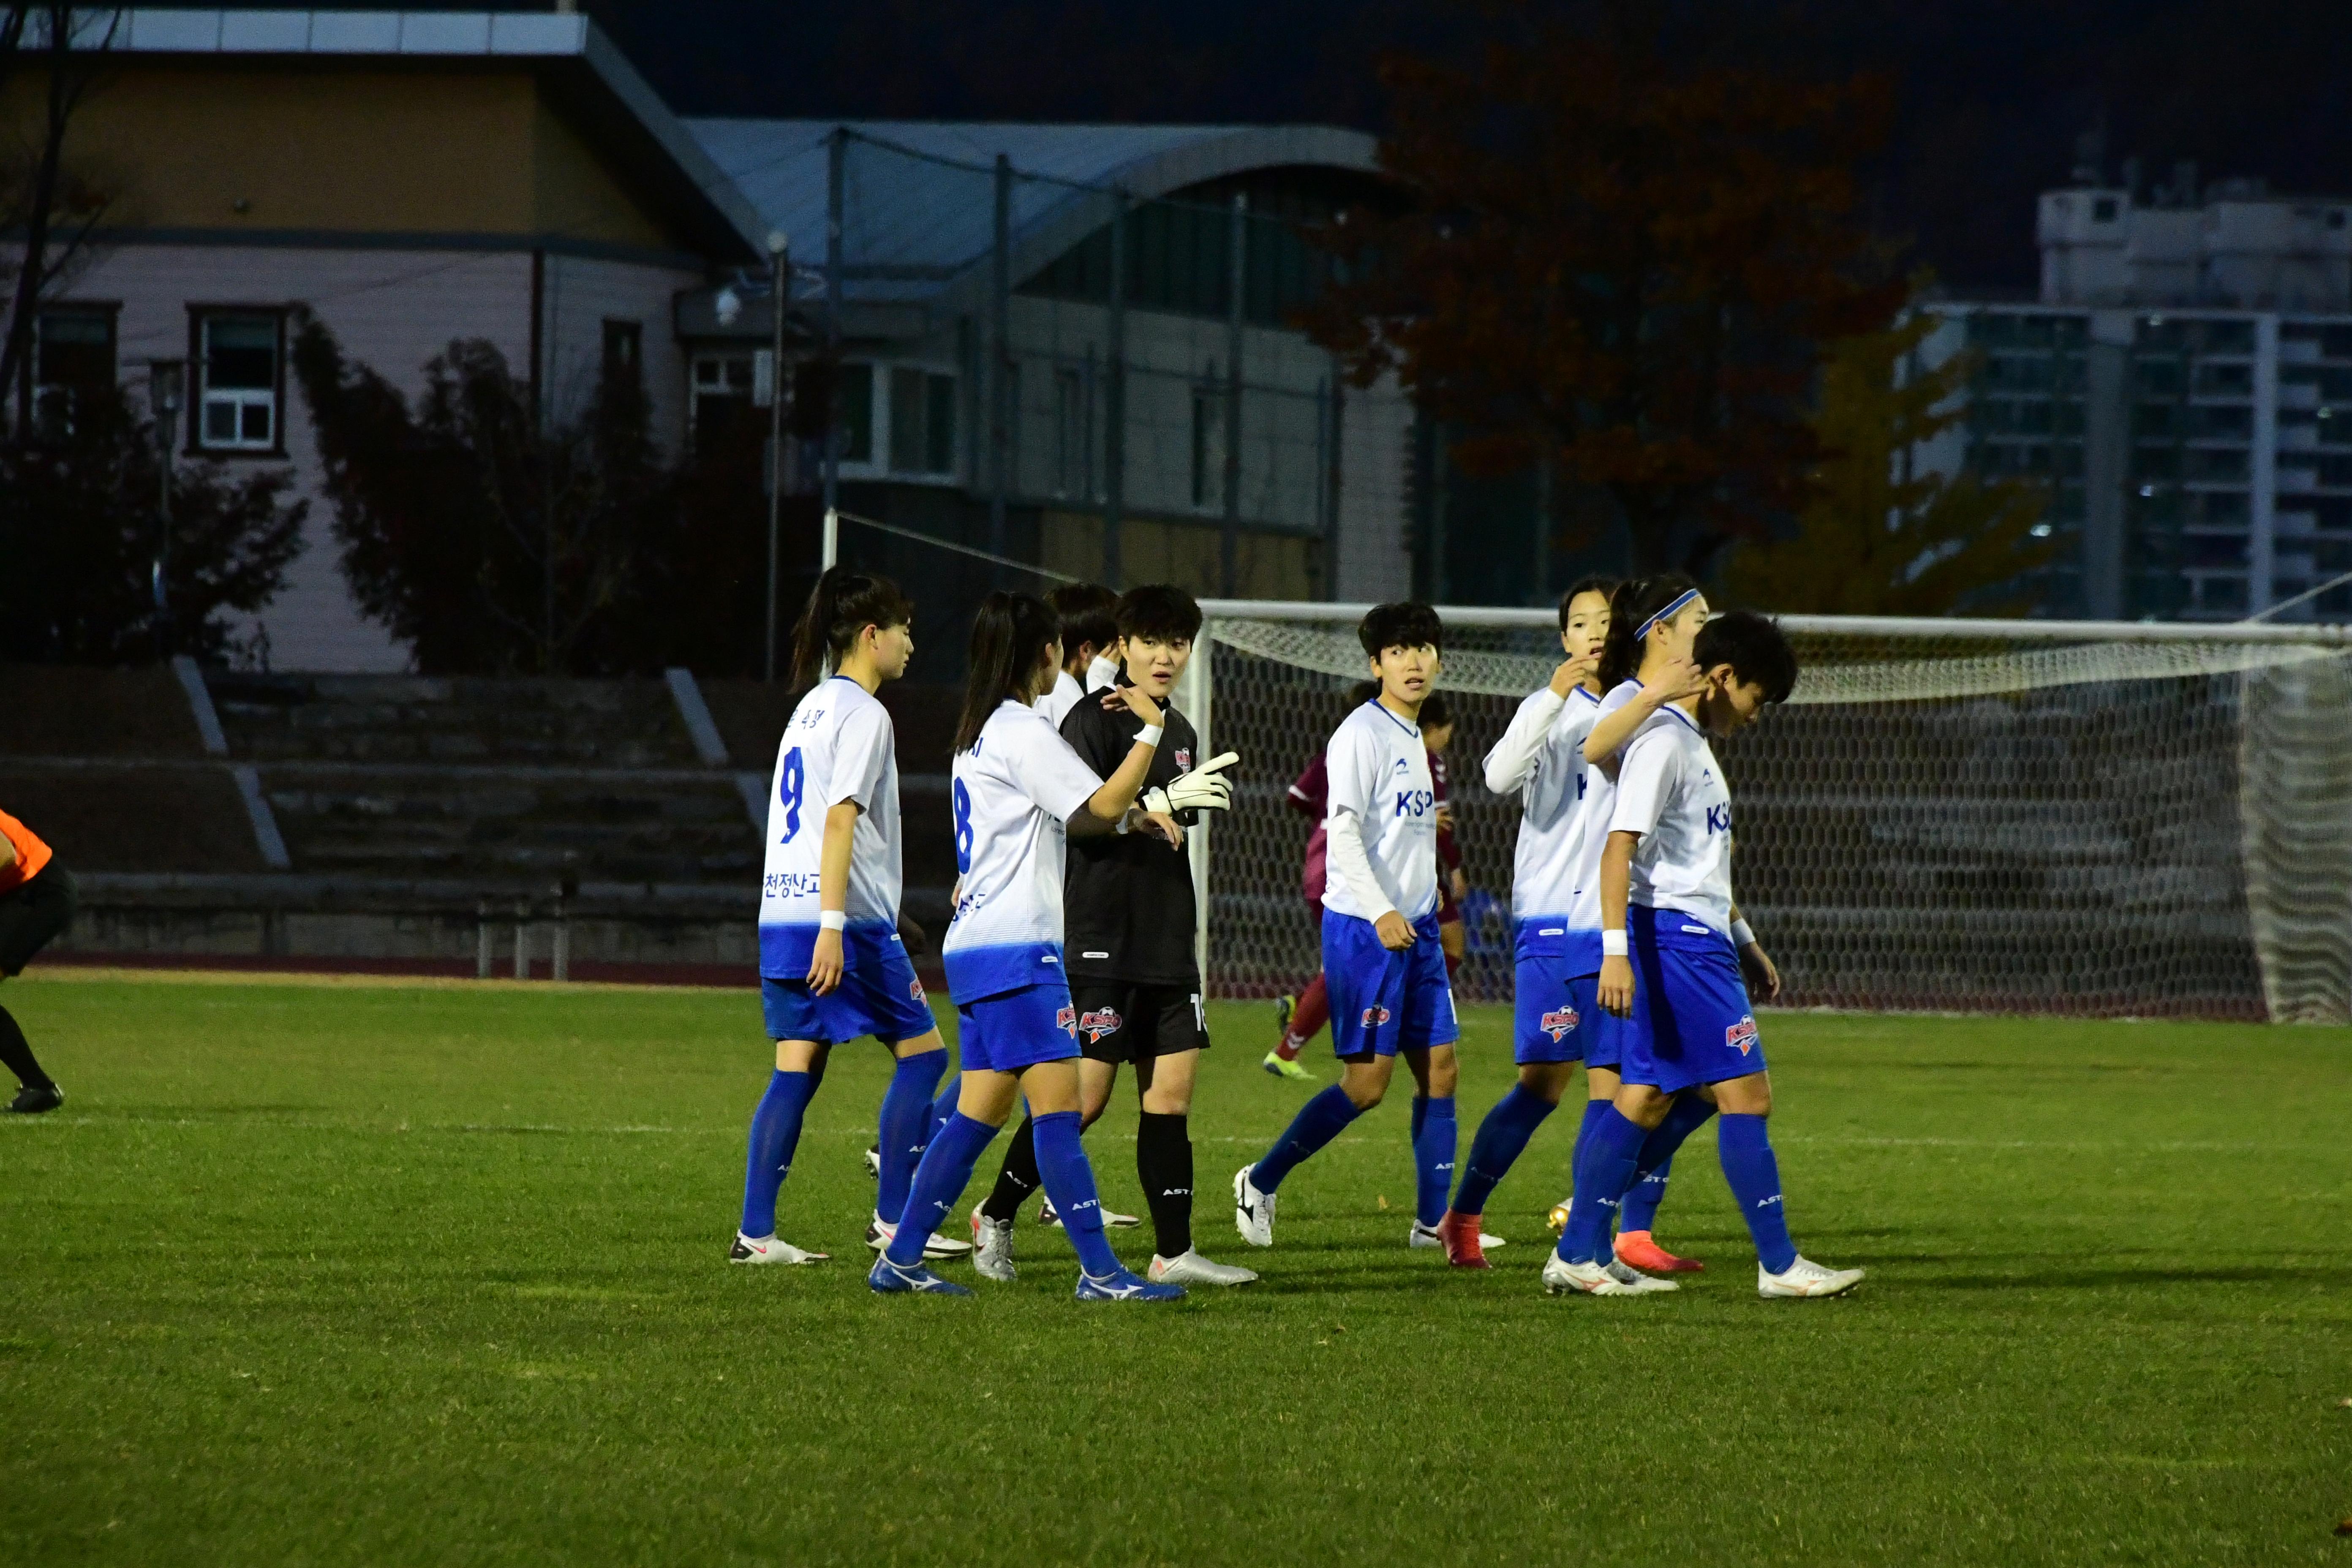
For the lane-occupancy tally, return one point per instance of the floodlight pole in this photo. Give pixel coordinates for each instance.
(1114, 401)
(166, 387)
(1236, 288)
(780, 274)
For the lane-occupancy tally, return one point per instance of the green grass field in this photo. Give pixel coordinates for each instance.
(383, 1274)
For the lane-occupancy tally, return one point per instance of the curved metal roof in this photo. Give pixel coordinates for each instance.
(920, 196)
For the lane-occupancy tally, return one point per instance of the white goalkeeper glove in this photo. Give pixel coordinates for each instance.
(1203, 789)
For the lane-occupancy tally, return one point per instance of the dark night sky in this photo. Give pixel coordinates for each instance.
(1992, 93)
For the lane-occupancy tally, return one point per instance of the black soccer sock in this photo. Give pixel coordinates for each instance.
(1019, 1177)
(16, 1056)
(1163, 1162)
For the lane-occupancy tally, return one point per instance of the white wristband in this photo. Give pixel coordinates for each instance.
(1742, 934)
(1612, 944)
(831, 920)
(1149, 735)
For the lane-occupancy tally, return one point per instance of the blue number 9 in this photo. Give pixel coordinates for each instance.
(963, 828)
(789, 792)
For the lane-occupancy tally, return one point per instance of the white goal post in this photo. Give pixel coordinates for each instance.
(2083, 818)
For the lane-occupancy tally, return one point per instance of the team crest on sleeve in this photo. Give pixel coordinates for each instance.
(1375, 1016)
(1067, 1020)
(1557, 1024)
(1742, 1035)
(915, 990)
(1098, 1023)
(1183, 760)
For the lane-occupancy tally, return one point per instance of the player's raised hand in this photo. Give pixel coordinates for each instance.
(1614, 989)
(1763, 977)
(1132, 698)
(1395, 930)
(824, 963)
(1573, 672)
(1205, 788)
(1682, 677)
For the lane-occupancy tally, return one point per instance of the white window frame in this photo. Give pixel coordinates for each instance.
(239, 398)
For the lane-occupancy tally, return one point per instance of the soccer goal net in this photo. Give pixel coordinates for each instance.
(2039, 816)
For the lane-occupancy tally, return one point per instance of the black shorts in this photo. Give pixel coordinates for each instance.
(1119, 1022)
(33, 913)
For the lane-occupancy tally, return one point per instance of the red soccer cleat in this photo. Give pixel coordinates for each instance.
(1460, 1234)
(1636, 1250)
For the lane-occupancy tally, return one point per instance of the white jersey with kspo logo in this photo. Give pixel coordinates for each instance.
(839, 746)
(1012, 794)
(1381, 793)
(1671, 791)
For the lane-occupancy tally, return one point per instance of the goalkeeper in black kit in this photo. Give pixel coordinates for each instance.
(1127, 919)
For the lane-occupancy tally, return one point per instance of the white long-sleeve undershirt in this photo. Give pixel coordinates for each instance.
(1344, 853)
(1513, 756)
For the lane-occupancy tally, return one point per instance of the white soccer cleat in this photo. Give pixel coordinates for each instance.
(992, 1249)
(1112, 1219)
(1427, 1235)
(768, 1249)
(1562, 1277)
(1252, 1210)
(1805, 1278)
(1556, 1219)
(1633, 1279)
(1192, 1268)
(873, 1161)
(879, 1232)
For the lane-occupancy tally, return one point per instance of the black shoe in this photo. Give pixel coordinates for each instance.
(33, 1100)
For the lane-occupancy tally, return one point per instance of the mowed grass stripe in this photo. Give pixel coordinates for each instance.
(385, 1275)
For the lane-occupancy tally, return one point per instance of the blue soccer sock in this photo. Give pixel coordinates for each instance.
(1592, 1113)
(1602, 1176)
(905, 1128)
(1502, 1137)
(775, 1134)
(1070, 1183)
(939, 1180)
(1319, 1121)
(1753, 1173)
(1437, 1136)
(943, 1109)
(1685, 1116)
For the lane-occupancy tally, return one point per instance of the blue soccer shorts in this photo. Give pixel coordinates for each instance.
(878, 995)
(1691, 1022)
(1017, 1029)
(1384, 1002)
(1555, 1018)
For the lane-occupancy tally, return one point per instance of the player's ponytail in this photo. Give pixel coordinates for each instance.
(843, 604)
(1636, 603)
(1009, 639)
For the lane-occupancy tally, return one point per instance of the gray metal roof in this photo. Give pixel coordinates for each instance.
(920, 196)
(661, 148)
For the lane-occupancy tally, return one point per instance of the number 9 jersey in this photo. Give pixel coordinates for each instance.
(839, 746)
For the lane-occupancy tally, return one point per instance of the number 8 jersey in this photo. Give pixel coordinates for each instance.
(839, 746)
(1013, 792)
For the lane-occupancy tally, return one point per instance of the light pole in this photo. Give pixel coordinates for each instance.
(166, 384)
(779, 293)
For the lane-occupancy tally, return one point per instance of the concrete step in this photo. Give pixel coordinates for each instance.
(367, 718)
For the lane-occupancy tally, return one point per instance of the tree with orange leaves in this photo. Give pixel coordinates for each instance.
(1620, 265)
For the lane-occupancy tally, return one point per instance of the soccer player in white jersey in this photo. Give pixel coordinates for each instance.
(1540, 757)
(1671, 971)
(1381, 959)
(831, 963)
(1089, 635)
(1019, 791)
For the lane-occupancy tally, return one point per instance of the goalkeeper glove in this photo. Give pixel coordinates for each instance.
(1203, 789)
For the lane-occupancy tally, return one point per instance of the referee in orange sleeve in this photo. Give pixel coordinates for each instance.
(36, 902)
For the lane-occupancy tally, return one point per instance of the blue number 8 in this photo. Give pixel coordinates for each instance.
(963, 828)
(789, 792)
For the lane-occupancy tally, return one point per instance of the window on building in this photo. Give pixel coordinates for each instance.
(73, 356)
(1208, 449)
(853, 399)
(240, 394)
(722, 396)
(2102, 210)
(1070, 444)
(922, 421)
(624, 350)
